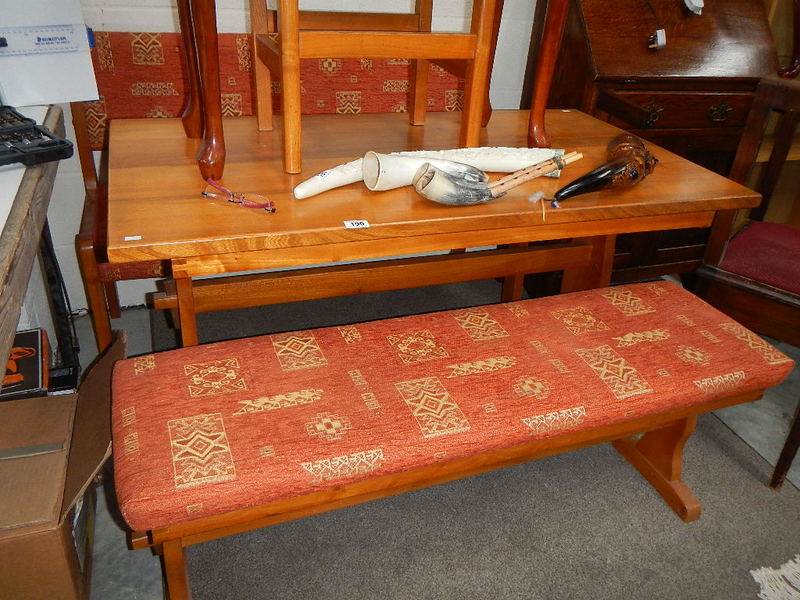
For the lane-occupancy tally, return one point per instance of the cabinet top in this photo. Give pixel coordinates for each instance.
(730, 39)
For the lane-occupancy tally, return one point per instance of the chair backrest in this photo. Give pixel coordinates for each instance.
(83, 139)
(774, 95)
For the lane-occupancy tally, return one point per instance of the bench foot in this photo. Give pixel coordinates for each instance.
(657, 455)
(175, 573)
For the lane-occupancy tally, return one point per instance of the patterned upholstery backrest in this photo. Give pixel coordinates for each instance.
(141, 74)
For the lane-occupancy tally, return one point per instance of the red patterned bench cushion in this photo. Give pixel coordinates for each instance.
(215, 428)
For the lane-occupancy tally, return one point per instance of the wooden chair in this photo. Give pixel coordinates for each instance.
(282, 38)
(753, 276)
(99, 276)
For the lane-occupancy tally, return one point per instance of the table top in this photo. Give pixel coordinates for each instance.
(156, 210)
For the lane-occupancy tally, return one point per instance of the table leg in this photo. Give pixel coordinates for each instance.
(192, 116)
(598, 273)
(211, 157)
(186, 312)
(513, 284)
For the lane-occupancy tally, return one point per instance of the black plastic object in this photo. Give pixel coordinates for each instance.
(23, 141)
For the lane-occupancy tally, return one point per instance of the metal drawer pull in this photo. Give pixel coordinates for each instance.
(719, 112)
(653, 113)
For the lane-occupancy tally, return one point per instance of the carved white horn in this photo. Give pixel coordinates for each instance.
(447, 188)
(389, 171)
(329, 179)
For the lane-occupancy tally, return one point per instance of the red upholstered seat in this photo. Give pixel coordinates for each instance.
(215, 428)
(768, 253)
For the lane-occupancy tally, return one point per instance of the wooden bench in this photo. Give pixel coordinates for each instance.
(219, 439)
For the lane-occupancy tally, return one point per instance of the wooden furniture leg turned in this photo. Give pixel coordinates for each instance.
(192, 115)
(549, 47)
(211, 156)
(658, 456)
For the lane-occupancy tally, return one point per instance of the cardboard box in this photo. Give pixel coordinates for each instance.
(51, 448)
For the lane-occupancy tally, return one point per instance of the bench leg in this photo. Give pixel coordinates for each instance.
(658, 455)
(173, 558)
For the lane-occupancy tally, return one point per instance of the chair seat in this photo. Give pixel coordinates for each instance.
(211, 429)
(768, 253)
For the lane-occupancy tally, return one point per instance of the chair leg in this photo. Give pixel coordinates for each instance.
(289, 27)
(788, 453)
(262, 78)
(658, 455)
(112, 299)
(419, 92)
(550, 46)
(487, 103)
(95, 295)
(192, 116)
(477, 79)
(420, 68)
(173, 557)
(211, 157)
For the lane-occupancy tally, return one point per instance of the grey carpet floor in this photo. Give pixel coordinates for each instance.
(581, 525)
(214, 327)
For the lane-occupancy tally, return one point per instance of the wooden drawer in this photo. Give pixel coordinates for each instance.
(676, 110)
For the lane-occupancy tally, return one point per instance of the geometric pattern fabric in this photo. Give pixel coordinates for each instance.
(219, 427)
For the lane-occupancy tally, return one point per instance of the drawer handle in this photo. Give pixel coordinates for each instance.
(719, 112)
(653, 113)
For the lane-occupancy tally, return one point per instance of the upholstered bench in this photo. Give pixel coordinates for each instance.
(218, 439)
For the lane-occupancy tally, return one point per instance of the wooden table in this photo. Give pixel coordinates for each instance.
(24, 198)
(156, 211)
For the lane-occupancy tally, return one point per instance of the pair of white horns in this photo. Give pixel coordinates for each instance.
(381, 172)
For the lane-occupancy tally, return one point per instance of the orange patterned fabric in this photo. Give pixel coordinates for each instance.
(220, 427)
(141, 74)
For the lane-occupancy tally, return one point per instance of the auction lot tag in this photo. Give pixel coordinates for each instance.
(356, 224)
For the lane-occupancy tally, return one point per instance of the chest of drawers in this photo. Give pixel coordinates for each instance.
(691, 96)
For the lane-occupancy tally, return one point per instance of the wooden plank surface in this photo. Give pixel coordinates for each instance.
(155, 201)
(19, 241)
(386, 44)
